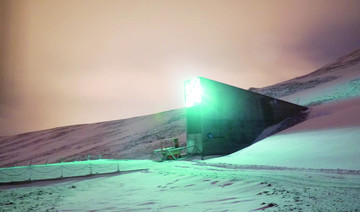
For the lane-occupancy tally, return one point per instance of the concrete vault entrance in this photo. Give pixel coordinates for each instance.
(222, 119)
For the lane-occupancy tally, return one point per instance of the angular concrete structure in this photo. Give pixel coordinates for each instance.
(222, 119)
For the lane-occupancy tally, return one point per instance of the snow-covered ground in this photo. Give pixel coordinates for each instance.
(312, 166)
(190, 186)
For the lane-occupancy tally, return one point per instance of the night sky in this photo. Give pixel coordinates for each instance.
(84, 61)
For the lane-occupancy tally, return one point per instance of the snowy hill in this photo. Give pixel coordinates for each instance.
(330, 137)
(333, 82)
(133, 138)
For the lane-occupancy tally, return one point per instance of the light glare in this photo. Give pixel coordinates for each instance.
(193, 92)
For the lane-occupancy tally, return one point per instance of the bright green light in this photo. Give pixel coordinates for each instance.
(193, 92)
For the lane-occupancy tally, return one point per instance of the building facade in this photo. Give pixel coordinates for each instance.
(222, 119)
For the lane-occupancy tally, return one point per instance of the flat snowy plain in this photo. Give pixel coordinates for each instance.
(312, 166)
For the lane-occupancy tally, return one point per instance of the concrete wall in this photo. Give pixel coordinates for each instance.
(234, 117)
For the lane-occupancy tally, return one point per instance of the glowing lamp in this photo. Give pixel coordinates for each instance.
(193, 92)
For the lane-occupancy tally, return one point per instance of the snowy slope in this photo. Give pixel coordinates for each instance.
(128, 138)
(330, 137)
(336, 81)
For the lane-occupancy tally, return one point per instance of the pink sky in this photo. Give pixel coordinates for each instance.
(84, 61)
